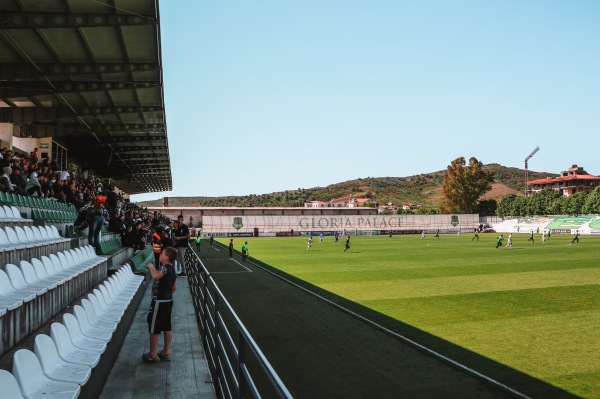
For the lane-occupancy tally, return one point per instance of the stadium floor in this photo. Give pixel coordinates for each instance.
(320, 351)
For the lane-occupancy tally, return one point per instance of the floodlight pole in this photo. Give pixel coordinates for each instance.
(527, 170)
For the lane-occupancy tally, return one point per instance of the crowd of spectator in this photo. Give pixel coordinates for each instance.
(29, 175)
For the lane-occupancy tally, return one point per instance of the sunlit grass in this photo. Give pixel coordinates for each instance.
(535, 308)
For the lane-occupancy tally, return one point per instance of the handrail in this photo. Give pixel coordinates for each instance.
(233, 367)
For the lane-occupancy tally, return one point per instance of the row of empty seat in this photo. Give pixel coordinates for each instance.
(61, 364)
(10, 213)
(33, 202)
(32, 291)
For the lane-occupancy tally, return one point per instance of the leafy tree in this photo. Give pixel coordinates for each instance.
(487, 207)
(464, 185)
(505, 205)
(575, 203)
(592, 204)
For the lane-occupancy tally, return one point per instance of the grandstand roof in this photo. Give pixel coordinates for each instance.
(89, 74)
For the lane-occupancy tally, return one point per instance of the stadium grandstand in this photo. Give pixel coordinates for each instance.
(82, 120)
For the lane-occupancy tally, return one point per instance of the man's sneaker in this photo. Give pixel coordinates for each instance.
(149, 359)
(164, 356)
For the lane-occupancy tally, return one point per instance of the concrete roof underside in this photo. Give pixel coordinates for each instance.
(89, 74)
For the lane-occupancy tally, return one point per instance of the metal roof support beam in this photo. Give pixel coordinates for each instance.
(38, 20)
(30, 114)
(27, 71)
(18, 89)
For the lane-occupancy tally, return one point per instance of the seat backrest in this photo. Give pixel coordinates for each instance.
(63, 259)
(96, 303)
(16, 276)
(6, 288)
(62, 339)
(21, 235)
(73, 327)
(3, 212)
(71, 260)
(36, 233)
(58, 264)
(12, 235)
(83, 255)
(10, 385)
(39, 268)
(100, 296)
(29, 233)
(28, 371)
(4, 238)
(44, 233)
(46, 352)
(49, 231)
(50, 268)
(16, 213)
(55, 231)
(29, 273)
(83, 318)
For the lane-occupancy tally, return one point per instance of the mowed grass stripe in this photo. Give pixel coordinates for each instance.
(535, 308)
(393, 289)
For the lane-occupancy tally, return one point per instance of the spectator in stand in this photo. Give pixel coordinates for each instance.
(5, 183)
(18, 180)
(33, 156)
(126, 236)
(46, 187)
(137, 239)
(90, 216)
(59, 194)
(33, 186)
(182, 236)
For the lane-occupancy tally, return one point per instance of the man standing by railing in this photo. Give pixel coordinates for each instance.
(182, 236)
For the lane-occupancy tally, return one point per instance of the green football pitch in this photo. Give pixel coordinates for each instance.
(534, 308)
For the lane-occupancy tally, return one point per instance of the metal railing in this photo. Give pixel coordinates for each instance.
(238, 367)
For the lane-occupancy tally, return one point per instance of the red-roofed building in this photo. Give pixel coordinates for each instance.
(571, 181)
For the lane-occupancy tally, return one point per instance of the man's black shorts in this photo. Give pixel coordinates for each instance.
(159, 317)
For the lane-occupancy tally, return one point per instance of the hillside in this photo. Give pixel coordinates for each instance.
(423, 189)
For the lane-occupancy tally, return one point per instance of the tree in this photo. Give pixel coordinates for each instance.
(592, 204)
(464, 185)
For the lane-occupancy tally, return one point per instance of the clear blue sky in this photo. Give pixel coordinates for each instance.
(265, 96)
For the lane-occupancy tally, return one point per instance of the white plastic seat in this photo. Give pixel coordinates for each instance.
(105, 318)
(34, 384)
(30, 235)
(44, 233)
(8, 291)
(103, 310)
(105, 303)
(22, 236)
(92, 328)
(69, 352)
(111, 299)
(42, 272)
(33, 278)
(18, 281)
(10, 385)
(78, 338)
(53, 270)
(14, 239)
(126, 283)
(3, 216)
(16, 212)
(37, 234)
(119, 289)
(5, 243)
(55, 231)
(56, 368)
